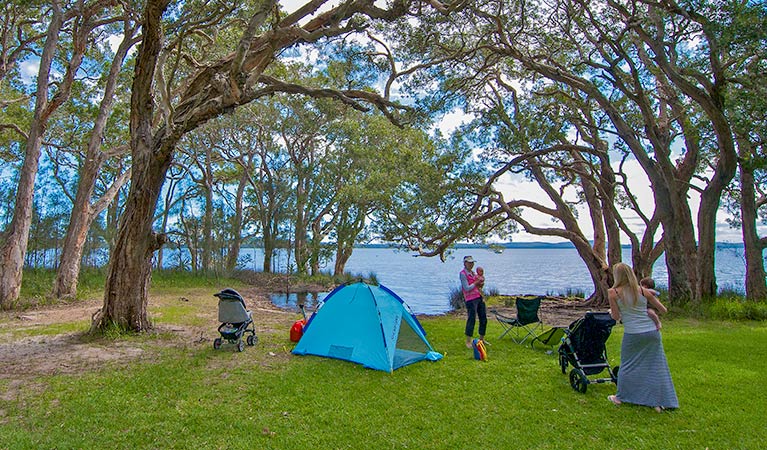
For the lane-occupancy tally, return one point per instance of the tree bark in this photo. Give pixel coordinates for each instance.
(14, 246)
(130, 268)
(129, 273)
(709, 206)
(83, 213)
(207, 221)
(81, 218)
(233, 253)
(756, 283)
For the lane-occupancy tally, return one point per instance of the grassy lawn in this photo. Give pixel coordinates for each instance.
(195, 397)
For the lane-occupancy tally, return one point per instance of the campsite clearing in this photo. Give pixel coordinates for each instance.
(171, 389)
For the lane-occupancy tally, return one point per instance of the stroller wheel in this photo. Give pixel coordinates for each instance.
(563, 363)
(615, 373)
(578, 381)
(252, 339)
(240, 345)
(217, 343)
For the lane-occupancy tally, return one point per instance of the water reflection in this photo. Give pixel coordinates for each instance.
(293, 301)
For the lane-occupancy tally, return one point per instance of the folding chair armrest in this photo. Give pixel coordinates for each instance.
(502, 318)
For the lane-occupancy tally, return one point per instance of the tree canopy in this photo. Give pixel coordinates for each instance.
(211, 125)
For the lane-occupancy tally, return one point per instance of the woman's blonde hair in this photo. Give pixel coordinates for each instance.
(624, 278)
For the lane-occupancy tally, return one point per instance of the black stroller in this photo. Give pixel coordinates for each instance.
(583, 347)
(235, 320)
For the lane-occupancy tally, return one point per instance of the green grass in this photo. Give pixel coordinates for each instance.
(196, 397)
(45, 330)
(187, 395)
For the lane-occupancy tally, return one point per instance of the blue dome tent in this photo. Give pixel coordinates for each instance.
(366, 324)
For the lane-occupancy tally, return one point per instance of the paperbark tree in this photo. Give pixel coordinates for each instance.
(84, 209)
(249, 140)
(81, 21)
(745, 108)
(636, 60)
(210, 90)
(373, 161)
(750, 204)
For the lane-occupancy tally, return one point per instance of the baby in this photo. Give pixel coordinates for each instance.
(649, 284)
(481, 274)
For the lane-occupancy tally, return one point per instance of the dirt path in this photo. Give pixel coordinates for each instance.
(72, 352)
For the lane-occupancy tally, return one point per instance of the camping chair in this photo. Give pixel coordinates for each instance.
(526, 324)
(549, 338)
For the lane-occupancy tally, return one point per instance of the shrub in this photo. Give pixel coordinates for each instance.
(737, 309)
(569, 293)
(346, 277)
(456, 299)
(730, 290)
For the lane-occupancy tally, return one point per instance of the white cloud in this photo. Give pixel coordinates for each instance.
(452, 120)
(29, 70)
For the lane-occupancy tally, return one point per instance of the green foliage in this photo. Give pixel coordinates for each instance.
(737, 309)
(330, 280)
(174, 279)
(456, 299)
(569, 292)
(113, 332)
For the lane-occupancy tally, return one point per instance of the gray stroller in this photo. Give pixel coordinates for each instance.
(235, 320)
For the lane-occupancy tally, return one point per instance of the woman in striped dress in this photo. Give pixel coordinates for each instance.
(644, 377)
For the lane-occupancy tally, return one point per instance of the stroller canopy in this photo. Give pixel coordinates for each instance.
(368, 325)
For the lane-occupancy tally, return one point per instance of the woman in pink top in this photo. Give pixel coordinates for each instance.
(471, 285)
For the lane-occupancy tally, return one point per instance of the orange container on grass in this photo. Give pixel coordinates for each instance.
(297, 330)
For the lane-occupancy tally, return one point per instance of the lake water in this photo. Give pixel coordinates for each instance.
(425, 283)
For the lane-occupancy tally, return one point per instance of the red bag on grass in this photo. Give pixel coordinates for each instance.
(297, 330)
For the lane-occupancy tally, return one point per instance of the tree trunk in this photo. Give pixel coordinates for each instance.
(268, 252)
(83, 214)
(678, 237)
(709, 205)
(65, 285)
(126, 292)
(343, 253)
(315, 246)
(127, 286)
(233, 253)
(599, 272)
(13, 248)
(207, 220)
(599, 246)
(756, 286)
(299, 227)
(612, 230)
(82, 217)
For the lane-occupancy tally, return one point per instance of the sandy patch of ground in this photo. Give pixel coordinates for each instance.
(23, 358)
(31, 356)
